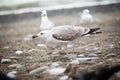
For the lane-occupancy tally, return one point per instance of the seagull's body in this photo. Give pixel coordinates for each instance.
(63, 34)
(86, 17)
(46, 24)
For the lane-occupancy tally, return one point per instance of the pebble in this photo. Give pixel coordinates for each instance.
(86, 59)
(14, 58)
(76, 61)
(38, 70)
(33, 50)
(70, 56)
(13, 65)
(18, 52)
(56, 71)
(55, 64)
(81, 55)
(63, 48)
(6, 47)
(92, 55)
(12, 74)
(86, 49)
(6, 60)
(42, 45)
(20, 67)
(111, 46)
(95, 48)
(64, 78)
(29, 57)
(69, 45)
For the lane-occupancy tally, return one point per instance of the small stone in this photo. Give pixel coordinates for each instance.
(42, 45)
(29, 57)
(33, 50)
(92, 55)
(111, 46)
(12, 74)
(56, 71)
(54, 64)
(6, 47)
(20, 67)
(95, 48)
(81, 55)
(13, 65)
(86, 59)
(38, 70)
(6, 60)
(18, 52)
(69, 45)
(86, 49)
(63, 48)
(70, 56)
(14, 58)
(64, 78)
(76, 61)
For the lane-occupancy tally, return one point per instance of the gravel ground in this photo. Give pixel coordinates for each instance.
(106, 45)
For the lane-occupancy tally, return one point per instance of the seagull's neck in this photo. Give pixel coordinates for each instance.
(86, 13)
(47, 34)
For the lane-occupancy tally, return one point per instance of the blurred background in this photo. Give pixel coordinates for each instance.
(9, 7)
(20, 4)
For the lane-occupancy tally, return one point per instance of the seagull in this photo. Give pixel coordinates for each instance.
(86, 17)
(65, 33)
(46, 24)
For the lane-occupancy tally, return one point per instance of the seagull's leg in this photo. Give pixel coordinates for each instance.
(69, 46)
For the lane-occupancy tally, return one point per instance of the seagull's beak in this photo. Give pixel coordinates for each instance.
(34, 36)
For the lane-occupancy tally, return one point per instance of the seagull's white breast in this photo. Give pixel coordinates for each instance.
(86, 18)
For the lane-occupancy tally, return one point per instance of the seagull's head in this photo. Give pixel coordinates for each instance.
(43, 13)
(43, 34)
(86, 11)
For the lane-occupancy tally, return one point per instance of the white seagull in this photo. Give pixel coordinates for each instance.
(86, 17)
(46, 24)
(64, 34)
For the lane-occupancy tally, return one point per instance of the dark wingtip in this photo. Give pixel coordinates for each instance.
(94, 30)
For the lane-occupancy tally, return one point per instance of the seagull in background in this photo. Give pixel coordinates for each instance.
(65, 34)
(46, 24)
(86, 17)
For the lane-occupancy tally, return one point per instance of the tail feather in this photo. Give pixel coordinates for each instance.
(93, 30)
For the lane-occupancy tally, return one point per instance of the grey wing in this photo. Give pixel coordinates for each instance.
(65, 34)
